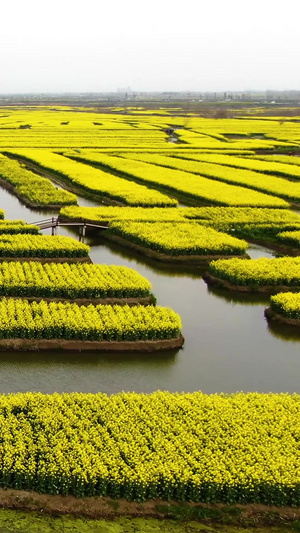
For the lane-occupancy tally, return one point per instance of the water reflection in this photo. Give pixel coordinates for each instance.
(284, 331)
(107, 249)
(245, 298)
(255, 252)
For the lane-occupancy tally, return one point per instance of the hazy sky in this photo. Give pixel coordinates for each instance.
(162, 45)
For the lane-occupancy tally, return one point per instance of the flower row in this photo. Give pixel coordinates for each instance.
(180, 238)
(242, 448)
(37, 190)
(183, 183)
(258, 272)
(77, 280)
(25, 245)
(96, 181)
(20, 319)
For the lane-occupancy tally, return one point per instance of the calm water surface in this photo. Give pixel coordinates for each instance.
(228, 344)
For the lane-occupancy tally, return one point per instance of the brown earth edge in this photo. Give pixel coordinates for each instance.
(103, 507)
(270, 314)
(267, 289)
(78, 345)
(147, 300)
(187, 259)
(47, 259)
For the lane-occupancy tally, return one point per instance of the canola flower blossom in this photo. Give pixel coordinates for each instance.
(194, 187)
(287, 304)
(178, 238)
(25, 245)
(239, 448)
(96, 181)
(258, 272)
(37, 190)
(20, 319)
(77, 280)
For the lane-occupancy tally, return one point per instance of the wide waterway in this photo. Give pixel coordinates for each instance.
(228, 346)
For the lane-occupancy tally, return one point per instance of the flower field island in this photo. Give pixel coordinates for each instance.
(67, 326)
(42, 247)
(256, 275)
(285, 308)
(177, 242)
(13, 227)
(34, 190)
(254, 224)
(239, 448)
(79, 282)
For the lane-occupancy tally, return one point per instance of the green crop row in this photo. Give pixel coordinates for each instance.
(20, 319)
(78, 280)
(239, 448)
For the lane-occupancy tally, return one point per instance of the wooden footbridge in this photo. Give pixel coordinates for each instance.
(55, 222)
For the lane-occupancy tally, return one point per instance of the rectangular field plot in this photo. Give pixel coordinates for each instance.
(258, 273)
(31, 188)
(63, 280)
(20, 319)
(215, 215)
(239, 448)
(276, 168)
(178, 239)
(43, 246)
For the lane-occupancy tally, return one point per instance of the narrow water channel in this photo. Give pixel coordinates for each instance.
(228, 344)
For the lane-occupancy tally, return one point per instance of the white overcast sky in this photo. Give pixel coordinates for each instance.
(162, 45)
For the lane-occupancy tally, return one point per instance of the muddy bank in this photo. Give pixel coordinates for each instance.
(266, 289)
(183, 259)
(270, 314)
(37, 522)
(147, 300)
(213, 515)
(99, 346)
